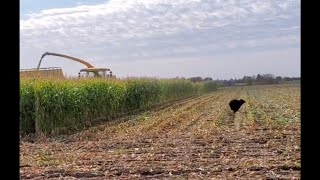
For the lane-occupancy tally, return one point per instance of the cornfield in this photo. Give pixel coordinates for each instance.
(60, 106)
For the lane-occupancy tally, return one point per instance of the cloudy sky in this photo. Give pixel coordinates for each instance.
(164, 38)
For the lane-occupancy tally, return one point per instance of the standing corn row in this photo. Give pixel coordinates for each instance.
(60, 106)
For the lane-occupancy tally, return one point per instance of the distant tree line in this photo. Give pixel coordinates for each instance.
(248, 80)
(266, 79)
(200, 79)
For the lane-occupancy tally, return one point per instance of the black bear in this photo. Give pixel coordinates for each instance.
(236, 104)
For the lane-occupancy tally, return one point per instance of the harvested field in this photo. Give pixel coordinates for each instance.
(197, 138)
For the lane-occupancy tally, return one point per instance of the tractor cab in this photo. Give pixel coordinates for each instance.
(96, 72)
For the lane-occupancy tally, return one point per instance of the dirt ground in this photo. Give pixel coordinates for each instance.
(197, 138)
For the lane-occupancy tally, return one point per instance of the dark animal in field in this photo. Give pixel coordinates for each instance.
(236, 104)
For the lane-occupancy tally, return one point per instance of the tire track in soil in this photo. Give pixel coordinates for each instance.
(206, 120)
(132, 122)
(225, 117)
(185, 120)
(170, 118)
(182, 152)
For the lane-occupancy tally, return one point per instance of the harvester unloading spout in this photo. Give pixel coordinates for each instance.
(89, 67)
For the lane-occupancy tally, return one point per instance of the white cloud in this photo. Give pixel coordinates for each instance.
(120, 30)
